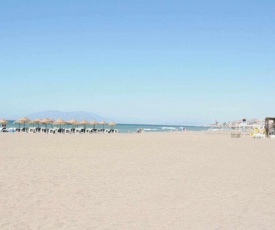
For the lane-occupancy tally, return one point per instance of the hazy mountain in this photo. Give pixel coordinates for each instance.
(78, 115)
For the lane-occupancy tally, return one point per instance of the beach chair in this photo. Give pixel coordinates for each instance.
(25, 130)
(32, 130)
(68, 131)
(43, 130)
(51, 131)
(57, 130)
(3, 130)
(95, 130)
(89, 130)
(78, 130)
(37, 130)
(113, 131)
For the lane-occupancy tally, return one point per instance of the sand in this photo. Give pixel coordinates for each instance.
(136, 181)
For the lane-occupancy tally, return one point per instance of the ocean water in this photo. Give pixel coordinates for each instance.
(129, 128)
(125, 128)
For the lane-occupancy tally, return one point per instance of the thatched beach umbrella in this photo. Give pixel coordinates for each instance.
(3, 122)
(22, 120)
(103, 123)
(52, 120)
(94, 123)
(60, 122)
(112, 123)
(38, 120)
(46, 121)
(84, 122)
(35, 121)
(72, 122)
(32, 122)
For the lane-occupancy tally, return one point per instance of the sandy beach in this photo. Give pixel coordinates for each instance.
(178, 180)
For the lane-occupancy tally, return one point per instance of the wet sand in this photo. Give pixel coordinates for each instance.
(175, 180)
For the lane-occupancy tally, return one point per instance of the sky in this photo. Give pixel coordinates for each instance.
(139, 61)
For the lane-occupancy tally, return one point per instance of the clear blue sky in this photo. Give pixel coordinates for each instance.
(139, 61)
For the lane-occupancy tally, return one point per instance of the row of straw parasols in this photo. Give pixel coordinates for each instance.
(46, 121)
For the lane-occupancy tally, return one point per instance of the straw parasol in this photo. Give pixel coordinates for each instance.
(22, 120)
(32, 122)
(84, 122)
(94, 123)
(60, 122)
(38, 120)
(112, 123)
(46, 121)
(3, 122)
(52, 120)
(103, 123)
(73, 122)
(35, 121)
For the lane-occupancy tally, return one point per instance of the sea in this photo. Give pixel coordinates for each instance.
(126, 128)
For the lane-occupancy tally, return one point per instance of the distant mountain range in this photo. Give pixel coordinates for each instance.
(82, 115)
(78, 115)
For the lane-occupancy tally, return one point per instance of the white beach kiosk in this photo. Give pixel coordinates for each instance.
(270, 127)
